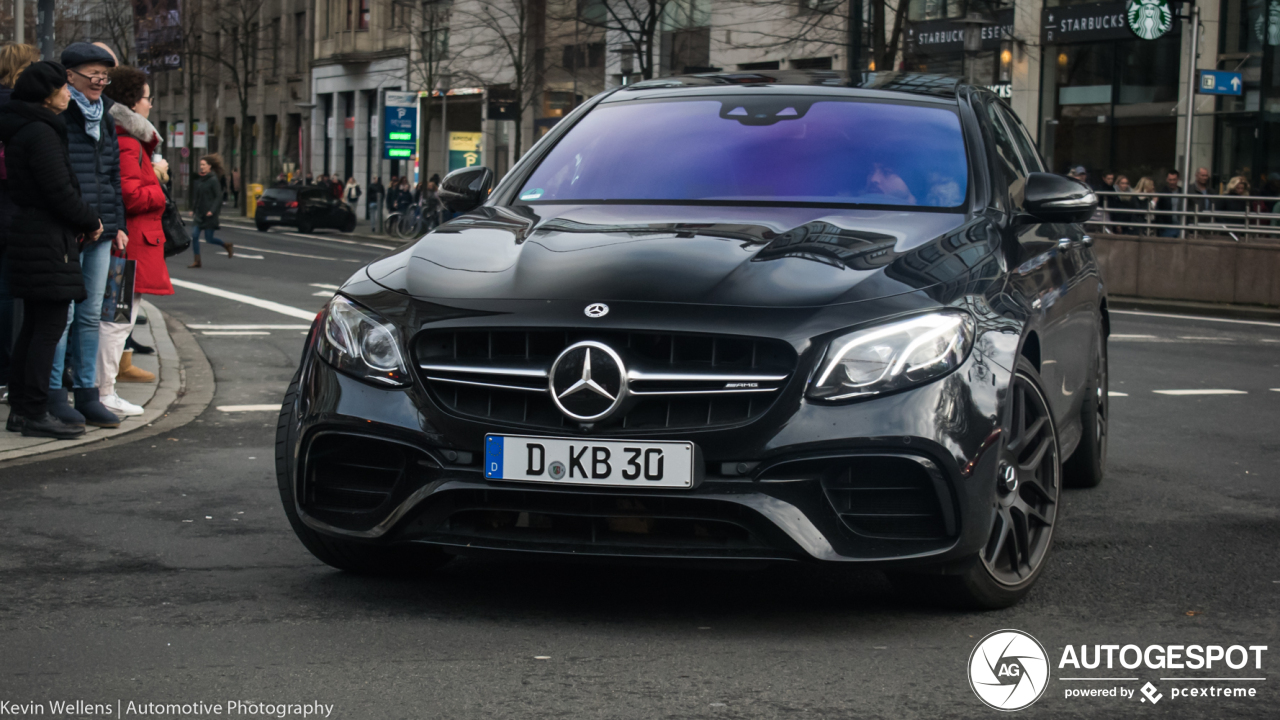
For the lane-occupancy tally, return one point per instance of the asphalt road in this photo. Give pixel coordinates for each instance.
(163, 570)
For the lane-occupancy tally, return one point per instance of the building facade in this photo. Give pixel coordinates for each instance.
(242, 90)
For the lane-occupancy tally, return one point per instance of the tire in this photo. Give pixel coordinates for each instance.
(982, 581)
(304, 226)
(1088, 463)
(351, 556)
(263, 227)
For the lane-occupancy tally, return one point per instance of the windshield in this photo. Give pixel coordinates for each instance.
(766, 148)
(280, 194)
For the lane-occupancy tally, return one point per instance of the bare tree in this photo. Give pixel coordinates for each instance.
(638, 22)
(800, 26)
(236, 51)
(503, 45)
(111, 21)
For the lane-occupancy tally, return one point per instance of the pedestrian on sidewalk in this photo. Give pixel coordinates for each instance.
(1170, 204)
(336, 187)
(95, 158)
(352, 192)
(14, 58)
(43, 249)
(144, 203)
(376, 194)
(207, 207)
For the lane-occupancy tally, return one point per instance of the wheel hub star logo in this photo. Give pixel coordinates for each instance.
(588, 381)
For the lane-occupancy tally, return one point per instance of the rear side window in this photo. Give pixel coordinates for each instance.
(1023, 140)
(285, 194)
(758, 149)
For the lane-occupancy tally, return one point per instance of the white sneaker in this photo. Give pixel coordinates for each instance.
(119, 405)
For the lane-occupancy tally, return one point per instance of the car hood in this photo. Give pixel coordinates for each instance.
(744, 257)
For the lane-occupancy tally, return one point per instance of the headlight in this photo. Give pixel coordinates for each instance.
(890, 357)
(361, 344)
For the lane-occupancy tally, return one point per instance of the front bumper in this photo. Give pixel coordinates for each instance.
(905, 478)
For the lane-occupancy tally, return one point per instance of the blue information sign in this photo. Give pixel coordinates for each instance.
(1220, 82)
(400, 126)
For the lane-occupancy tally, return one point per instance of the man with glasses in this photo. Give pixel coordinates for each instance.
(95, 159)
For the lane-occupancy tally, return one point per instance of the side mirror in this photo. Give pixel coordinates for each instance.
(466, 189)
(1056, 199)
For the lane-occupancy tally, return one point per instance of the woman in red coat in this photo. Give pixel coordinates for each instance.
(144, 202)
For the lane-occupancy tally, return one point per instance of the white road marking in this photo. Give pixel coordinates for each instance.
(301, 255)
(1201, 337)
(1113, 393)
(235, 332)
(322, 293)
(326, 286)
(1196, 317)
(246, 299)
(322, 237)
(1131, 337)
(1200, 392)
(248, 327)
(251, 257)
(1275, 389)
(249, 408)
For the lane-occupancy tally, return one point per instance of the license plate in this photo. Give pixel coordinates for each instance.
(274, 216)
(587, 461)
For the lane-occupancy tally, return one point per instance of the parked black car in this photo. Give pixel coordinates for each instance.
(783, 317)
(306, 208)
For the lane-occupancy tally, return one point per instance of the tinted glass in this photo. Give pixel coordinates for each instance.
(1004, 154)
(1030, 157)
(280, 194)
(760, 148)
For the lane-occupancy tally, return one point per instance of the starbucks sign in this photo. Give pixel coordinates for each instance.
(1149, 19)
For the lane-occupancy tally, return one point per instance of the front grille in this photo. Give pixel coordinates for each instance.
(886, 497)
(676, 381)
(586, 523)
(353, 481)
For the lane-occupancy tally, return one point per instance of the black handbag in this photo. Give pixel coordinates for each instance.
(176, 237)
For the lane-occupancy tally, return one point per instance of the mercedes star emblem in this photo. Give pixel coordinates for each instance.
(596, 310)
(588, 381)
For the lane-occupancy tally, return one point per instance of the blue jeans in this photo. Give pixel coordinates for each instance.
(375, 215)
(208, 237)
(81, 333)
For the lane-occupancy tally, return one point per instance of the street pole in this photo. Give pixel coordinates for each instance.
(1191, 107)
(44, 29)
(19, 21)
(854, 42)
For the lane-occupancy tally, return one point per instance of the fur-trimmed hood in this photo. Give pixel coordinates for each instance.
(135, 126)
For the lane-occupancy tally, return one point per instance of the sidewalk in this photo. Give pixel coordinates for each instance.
(154, 397)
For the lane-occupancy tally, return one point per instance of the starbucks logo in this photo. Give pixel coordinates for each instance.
(1149, 19)
(1268, 24)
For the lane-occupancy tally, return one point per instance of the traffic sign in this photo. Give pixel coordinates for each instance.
(1219, 82)
(400, 125)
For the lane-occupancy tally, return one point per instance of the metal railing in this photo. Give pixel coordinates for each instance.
(1189, 215)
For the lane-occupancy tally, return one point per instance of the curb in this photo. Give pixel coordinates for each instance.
(1188, 307)
(184, 390)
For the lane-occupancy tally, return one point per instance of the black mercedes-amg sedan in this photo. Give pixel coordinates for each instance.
(782, 317)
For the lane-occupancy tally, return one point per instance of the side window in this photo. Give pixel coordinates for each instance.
(1021, 138)
(1009, 172)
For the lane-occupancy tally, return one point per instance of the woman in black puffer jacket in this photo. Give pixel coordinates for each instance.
(43, 250)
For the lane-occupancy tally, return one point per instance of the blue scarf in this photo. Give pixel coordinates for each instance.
(92, 113)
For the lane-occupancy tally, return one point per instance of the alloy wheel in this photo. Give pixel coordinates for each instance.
(1028, 483)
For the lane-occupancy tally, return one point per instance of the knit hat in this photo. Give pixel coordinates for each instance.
(39, 81)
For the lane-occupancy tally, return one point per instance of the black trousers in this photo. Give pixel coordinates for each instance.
(42, 324)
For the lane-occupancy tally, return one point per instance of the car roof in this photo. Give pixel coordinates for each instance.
(826, 82)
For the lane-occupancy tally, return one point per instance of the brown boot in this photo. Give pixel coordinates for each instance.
(196, 263)
(231, 249)
(130, 372)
